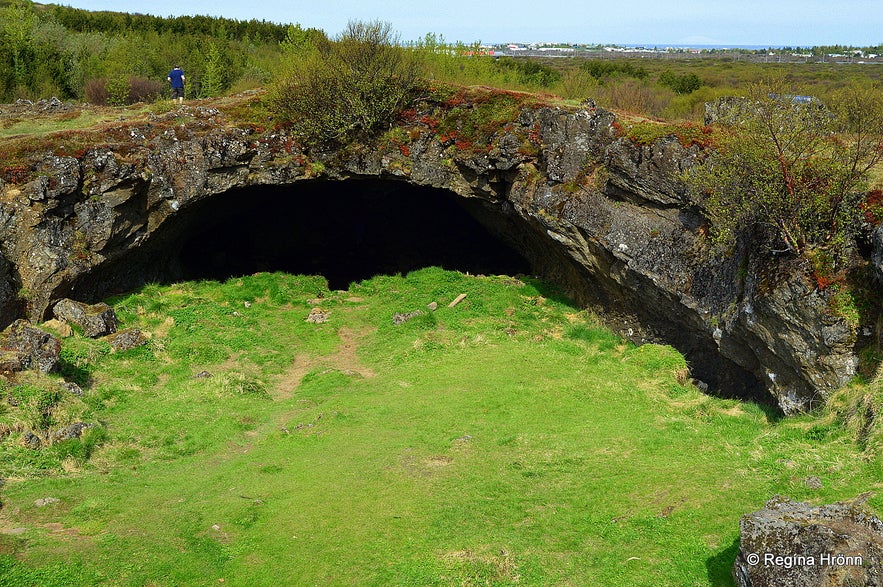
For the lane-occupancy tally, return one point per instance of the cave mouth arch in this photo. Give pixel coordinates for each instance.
(346, 231)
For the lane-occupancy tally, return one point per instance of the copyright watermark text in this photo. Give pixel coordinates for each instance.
(768, 559)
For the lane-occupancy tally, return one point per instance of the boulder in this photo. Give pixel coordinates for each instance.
(795, 544)
(70, 432)
(317, 316)
(400, 318)
(127, 339)
(95, 320)
(24, 347)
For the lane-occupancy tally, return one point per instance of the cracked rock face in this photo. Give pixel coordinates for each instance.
(877, 254)
(799, 545)
(95, 320)
(24, 347)
(603, 217)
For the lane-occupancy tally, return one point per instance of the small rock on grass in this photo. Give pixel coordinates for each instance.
(44, 501)
(813, 482)
(31, 440)
(399, 318)
(72, 388)
(70, 431)
(318, 316)
(127, 339)
(457, 300)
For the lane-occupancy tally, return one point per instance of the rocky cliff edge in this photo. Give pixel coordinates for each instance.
(87, 212)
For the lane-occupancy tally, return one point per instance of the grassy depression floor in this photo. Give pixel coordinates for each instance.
(505, 441)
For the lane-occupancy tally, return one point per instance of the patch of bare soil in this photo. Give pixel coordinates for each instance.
(57, 530)
(501, 563)
(424, 466)
(344, 359)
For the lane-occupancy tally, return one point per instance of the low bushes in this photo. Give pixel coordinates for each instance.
(353, 86)
(120, 91)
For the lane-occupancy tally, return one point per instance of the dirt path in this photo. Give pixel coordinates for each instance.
(343, 359)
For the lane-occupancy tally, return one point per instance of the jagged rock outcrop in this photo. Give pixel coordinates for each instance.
(877, 254)
(602, 216)
(799, 545)
(95, 320)
(24, 347)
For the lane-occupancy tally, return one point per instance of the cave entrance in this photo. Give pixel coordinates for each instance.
(346, 231)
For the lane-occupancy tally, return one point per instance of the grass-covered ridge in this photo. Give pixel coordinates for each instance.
(507, 440)
(465, 119)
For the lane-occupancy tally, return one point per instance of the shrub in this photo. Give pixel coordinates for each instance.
(117, 91)
(577, 84)
(680, 84)
(347, 88)
(120, 90)
(601, 70)
(792, 173)
(142, 89)
(690, 106)
(529, 72)
(95, 91)
(633, 96)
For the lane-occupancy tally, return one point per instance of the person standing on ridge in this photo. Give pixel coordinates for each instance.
(176, 78)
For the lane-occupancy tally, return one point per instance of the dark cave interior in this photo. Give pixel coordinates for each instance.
(346, 231)
(351, 230)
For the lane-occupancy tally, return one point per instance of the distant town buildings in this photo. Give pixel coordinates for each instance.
(758, 54)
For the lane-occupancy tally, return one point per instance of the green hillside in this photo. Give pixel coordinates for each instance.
(506, 440)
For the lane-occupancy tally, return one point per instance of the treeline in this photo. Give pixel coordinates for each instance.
(821, 50)
(84, 21)
(118, 58)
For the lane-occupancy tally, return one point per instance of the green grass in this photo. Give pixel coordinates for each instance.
(508, 440)
(73, 120)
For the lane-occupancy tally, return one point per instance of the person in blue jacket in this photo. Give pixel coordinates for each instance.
(176, 78)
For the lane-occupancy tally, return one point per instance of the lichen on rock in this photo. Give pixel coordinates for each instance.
(24, 347)
(95, 320)
(800, 545)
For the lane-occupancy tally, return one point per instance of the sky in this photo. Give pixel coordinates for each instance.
(768, 23)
